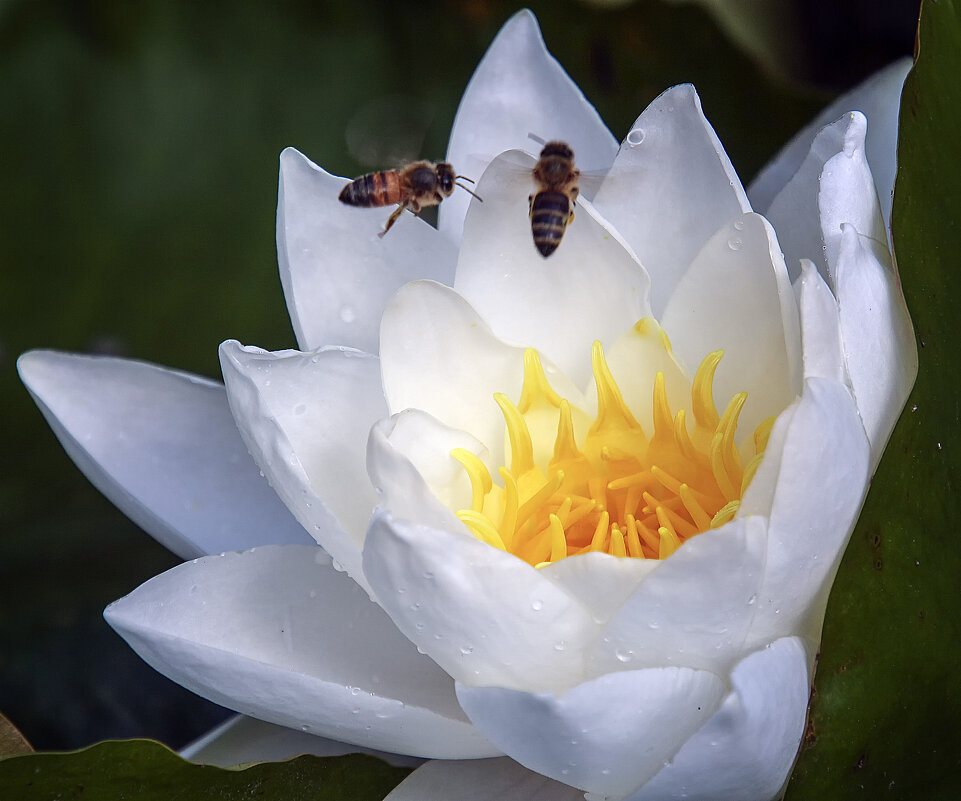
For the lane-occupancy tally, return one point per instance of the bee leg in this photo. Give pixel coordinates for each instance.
(393, 218)
(530, 206)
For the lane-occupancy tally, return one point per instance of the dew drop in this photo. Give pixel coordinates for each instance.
(347, 314)
(193, 589)
(560, 645)
(355, 690)
(739, 225)
(653, 625)
(624, 656)
(428, 575)
(537, 605)
(635, 137)
(312, 594)
(355, 710)
(467, 650)
(305, 727)
(734, 243)
(419, 625)
(300, 408)
(337, 566)
(605, 771)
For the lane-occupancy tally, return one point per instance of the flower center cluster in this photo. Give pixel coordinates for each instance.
(612, 489)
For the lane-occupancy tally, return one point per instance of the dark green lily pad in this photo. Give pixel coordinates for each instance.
(148, 771)
(884, 716)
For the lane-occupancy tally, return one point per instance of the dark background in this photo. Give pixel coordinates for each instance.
(138, 180)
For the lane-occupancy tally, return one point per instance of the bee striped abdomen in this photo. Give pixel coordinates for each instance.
(550, 214)
(375, 189)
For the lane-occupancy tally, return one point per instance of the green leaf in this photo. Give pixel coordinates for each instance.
(148, 771)
(884, 715)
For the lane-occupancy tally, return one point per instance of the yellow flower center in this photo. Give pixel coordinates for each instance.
(612, 488)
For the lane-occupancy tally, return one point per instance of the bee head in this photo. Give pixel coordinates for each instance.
(445, 178)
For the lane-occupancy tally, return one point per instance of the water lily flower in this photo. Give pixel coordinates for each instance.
(579, 516)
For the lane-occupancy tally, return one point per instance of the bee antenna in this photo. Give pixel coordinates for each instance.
(464, 178)
(467, 189)
(535, 138)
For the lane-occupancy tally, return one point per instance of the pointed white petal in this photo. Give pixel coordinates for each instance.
(794, 211)
(876, 333)
(820, 327)
(746, 750)
(162, 446)
(878, 98)
(278, 634)
(439, 356)
(306, 418)
(241, 740)
(483, 615)
(480, 780)
(671, 188)
(847, 195)
(608, 735)
(695, 609)
(736, 296)
(337, 273)
(822, 476)
(519, 89)
(590, 288)
(410, 466)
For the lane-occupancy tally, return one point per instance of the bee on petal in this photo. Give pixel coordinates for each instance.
(552, 205)
(413, 187)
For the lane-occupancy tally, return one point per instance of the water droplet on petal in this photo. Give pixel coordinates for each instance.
(467, 650)
(347, 314)
(560, 646)
(624, 656)
(300, 408)
(734, 243)
(739, 225)
(537, 605)
(635, 137)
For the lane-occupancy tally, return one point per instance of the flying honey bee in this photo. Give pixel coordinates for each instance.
(413, 187)
(552, 205)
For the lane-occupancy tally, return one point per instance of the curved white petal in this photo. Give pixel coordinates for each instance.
(671, 188)
(483, 615)
(278, 634)
(820, 327)
(695, 609)
(736, 296)
(439, 356)
(822, 477)
(878, 98)
(519, 89)
(337, 273)
(601, 582)
(480, 780)
(306, 418)
(608, 735)
(241, 740)
(410, 466)
(747, 749)
(847, 195)
(591, 287)
(794, 211)
(162, 446)
(876, 333)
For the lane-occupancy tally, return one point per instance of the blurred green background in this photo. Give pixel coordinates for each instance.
(138, 180)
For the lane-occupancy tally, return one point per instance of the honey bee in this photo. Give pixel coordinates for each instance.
(413, 187)
(552, 205)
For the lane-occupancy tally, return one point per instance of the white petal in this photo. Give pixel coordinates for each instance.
(794, 211)
(439, 356)
(519, 89)
(878, 98)
(747, 749)
(608, 735)
(847, 195)
(278, 634)
(736, 296)
(306, 418)
(409, 461)
(480, 780)
(590, 288)
(162, 446)
(483, 615)
(822, 476)
(820, 327)
(598, 580)
(876, 334)
(241, 740)
(695, 609)
(671, 188)
(337, 273)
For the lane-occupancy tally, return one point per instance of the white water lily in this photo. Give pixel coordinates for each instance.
(598, 574)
